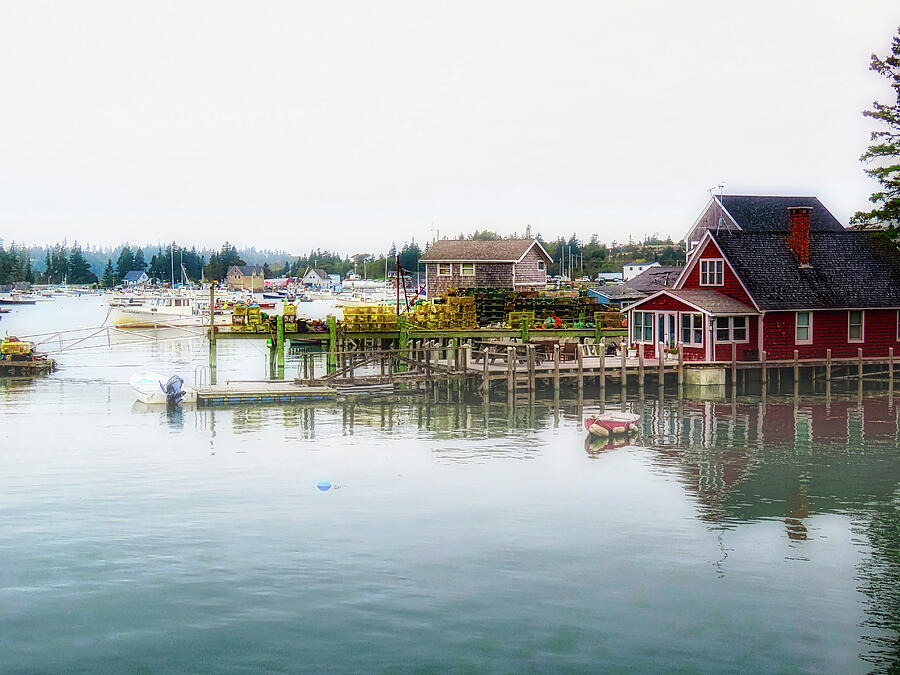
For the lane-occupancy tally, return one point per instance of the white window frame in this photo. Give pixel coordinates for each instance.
(809, 329)
(634, 326)
(462, 269)
(717, 274)
(730, 340)
(692, 329)
(862, 326)
(541, 266)
(441, 267)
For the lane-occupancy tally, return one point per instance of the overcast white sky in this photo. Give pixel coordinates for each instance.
(346, 125)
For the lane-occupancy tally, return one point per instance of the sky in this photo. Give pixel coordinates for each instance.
(349, 125)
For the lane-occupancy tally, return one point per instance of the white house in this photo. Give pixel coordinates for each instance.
(318, 278)
(630, 271)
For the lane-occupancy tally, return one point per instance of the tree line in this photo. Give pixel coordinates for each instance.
(76, 265)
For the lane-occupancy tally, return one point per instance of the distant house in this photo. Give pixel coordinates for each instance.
(610, 277)
(781, 280)
(615, 295)
(318, 278)
(631, 270)
(516, 264)
(246, 278)
(135, 278)
(654, 279)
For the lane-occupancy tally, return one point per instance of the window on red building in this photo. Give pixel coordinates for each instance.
(712, 272)
(855, 326)
(803, 332)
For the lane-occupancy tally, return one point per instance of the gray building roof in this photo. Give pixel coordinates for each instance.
(655, 279)
(849, 269)
(248, 270)
(472, 250)
(134, 275)
(770, 214)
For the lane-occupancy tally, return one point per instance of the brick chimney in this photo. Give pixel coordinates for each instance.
(798, 239)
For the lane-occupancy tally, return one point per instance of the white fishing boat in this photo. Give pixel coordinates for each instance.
(161, 311)
(151, 388)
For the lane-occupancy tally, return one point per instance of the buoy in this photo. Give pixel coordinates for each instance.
(323, 485)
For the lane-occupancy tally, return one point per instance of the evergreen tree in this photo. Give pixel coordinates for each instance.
(139, 263)
(109, 275)
(885, 149)
(79, 270)
(125, 263)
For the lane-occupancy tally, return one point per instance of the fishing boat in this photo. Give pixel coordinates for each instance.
(163, 311)
(155, 389)
(612, 423)
(17, 300)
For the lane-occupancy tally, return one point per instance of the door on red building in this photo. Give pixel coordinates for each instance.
(666, 328)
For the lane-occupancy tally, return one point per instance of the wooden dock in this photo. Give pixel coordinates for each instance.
(238, 392)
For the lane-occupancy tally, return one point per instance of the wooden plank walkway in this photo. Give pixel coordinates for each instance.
(236, 392)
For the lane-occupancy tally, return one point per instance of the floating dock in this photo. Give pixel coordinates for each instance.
(237, 393)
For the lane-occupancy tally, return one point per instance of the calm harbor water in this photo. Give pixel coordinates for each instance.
(733, 536)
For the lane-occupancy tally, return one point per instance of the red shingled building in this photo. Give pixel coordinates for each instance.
(775, 274)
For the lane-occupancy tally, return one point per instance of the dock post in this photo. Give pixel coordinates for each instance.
(404, 340)
(312, 366)
(763, 376)
(556, 370)
(623, 350)
(641, 365)
(212, 334)
(602, 376)
(734, 364)
(530, 349)
(680, 368)
(891, 367)
(859, 369)
(579, 354)
(796, 365)
(510, 371)
(331, 322)
(485, 374)
(661, 358)
(279, 344)
(828, 365)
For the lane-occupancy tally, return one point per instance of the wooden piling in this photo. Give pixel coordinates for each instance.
(485, 373)
(763, 373)
(510, 371)
(641, 365)
(680, 368)
(796, 366)
(602, 377)
(859, 354)
(733, 364)
(828, 365)
(661, 358)
(891, 366)
(212, 334)
(624, 352)
(529, 349)
(579, 354)
(556, 369)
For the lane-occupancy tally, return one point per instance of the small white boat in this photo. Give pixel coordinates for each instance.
(150, 388)
(612, 423)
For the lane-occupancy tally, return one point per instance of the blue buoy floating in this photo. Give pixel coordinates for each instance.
(323, 485)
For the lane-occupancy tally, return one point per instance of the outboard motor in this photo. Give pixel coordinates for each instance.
(174, 391)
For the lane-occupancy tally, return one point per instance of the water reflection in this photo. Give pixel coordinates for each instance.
(740, 462)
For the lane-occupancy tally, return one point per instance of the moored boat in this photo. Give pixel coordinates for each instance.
(155, 389)
(612, 423)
